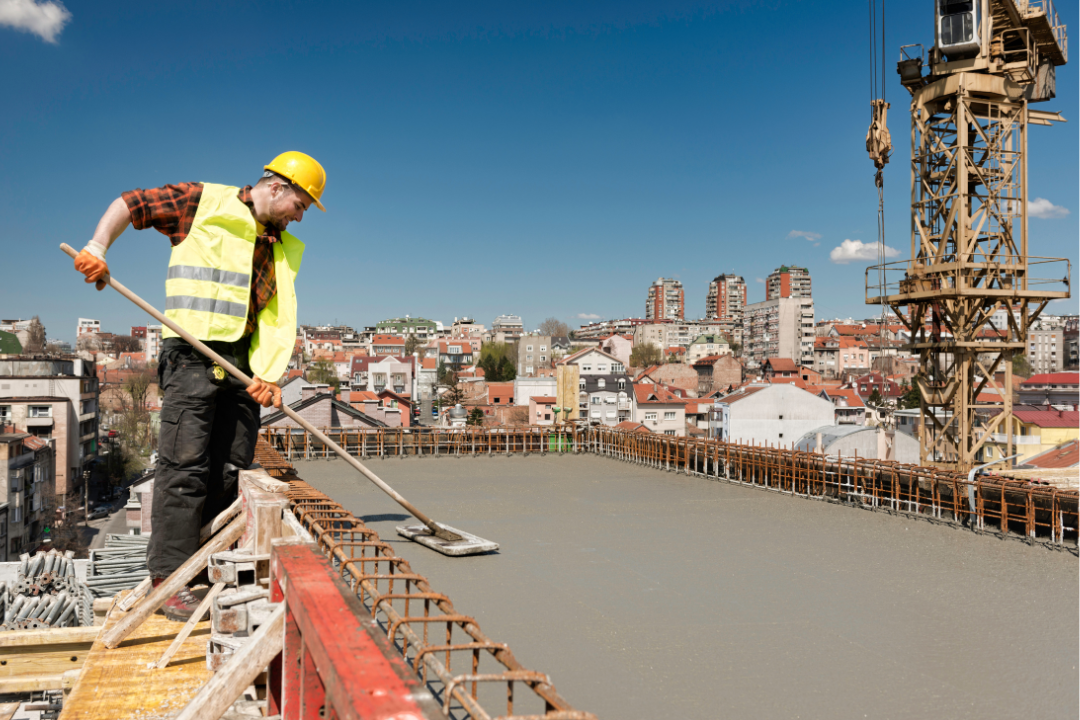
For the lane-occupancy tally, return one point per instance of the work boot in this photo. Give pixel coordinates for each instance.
(180, 607)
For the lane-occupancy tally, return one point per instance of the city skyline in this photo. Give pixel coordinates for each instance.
(600, 134)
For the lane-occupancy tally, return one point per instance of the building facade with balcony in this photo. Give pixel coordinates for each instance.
(605, 399)
(726, 302)
(788, 281)
(27, 472)
(782, 327)
(375, 374)
(403, 327)
(666, 300)
(659, 410)
(55, 398)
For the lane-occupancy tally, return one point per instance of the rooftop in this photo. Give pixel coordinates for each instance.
(639, 593)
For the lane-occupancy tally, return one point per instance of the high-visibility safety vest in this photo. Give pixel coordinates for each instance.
(209, 283)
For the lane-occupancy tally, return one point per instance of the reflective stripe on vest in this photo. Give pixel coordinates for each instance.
(224, 277)
(221, 307)
(208, 287)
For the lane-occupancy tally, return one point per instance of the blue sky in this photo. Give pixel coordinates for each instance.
(544, 159)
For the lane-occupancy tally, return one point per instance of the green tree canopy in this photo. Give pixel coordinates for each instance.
(498, 361)
(646, 355)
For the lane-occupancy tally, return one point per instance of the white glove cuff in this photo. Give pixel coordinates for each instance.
(96, 249)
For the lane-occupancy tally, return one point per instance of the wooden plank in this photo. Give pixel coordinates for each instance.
(63, 681)
(121, 683)
(194, 620)
(29, 654)
(7, 710)
(262, 480)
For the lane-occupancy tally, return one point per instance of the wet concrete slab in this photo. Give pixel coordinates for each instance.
(646, 594)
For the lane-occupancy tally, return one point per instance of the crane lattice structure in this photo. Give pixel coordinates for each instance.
(969, 219)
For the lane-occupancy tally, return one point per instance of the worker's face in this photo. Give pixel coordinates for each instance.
(287, 204)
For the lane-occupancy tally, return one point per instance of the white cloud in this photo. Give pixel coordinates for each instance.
(44, 19)
(587, 316)
(811, 236)
(1043, 208)
(852, 250)
(760, 280)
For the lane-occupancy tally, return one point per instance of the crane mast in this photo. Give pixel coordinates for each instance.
(970, 290)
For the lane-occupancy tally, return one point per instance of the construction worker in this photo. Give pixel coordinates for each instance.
(230, 284)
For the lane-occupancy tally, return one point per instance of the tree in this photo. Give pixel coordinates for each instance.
(322, 372)
(35, 337)
(412, 343)
(554, 327)
(646, 355)
(498, 362)
(736, 349)
(1021, 366)
(126, 344)
(875, 398)
(909, 398)
(454, 395)
(476, 417)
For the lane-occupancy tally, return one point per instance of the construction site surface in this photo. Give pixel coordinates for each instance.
(647, 594)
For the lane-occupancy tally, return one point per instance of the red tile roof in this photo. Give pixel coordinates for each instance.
(1062, 378)
(1063, 456)
(796, 381)
(1049, 418)
(631, 426)
(544, 399)
(362, 395)
(34, 443)
(742, 393)
(853, 399)
(387, 340)
(782, 364)
(647, 393)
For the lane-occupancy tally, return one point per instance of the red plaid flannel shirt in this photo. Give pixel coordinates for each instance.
(171, 209)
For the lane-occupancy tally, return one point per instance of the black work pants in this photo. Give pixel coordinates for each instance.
(209, 426)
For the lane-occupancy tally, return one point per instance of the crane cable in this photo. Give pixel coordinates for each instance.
(879, 147)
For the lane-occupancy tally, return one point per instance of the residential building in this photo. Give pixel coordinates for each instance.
(376, 374)
(618, 346)
(603, 328)
(780, 327)
(593, 361)
(387, 407)
(560, 346)
(779, 368)
(1071, 334)
(605, 399)
(833, 355)
(86, 326)
(1046, 350)
(526, 388)
(707, 345)
(55, 398)
(1035, 431)
(850, 408)
(541, 410)
(387, 345)
(660, 410)
(777, 414)
(726, 302)
(466, 327)
(1060, 389)
(677, 376)
(455, 354)
(320, 408)
(888, 389)
(534, 356)
(152, 344)
(507, 328)
(666, 300)
(408, 327)
(27, 471)
(634, 427)
(788, 281)
(717, 372)
(675, 334)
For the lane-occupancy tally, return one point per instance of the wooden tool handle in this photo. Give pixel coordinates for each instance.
(239, 375)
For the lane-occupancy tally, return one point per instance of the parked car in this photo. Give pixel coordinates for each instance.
(99, 512)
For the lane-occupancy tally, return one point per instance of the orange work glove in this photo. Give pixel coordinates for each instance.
(264, 393)
(94, 268)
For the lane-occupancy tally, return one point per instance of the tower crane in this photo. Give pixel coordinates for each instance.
(970, 290)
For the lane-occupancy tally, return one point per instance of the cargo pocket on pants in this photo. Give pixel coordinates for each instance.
(170, 443)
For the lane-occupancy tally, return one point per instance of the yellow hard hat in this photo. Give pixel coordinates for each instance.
(302, 170)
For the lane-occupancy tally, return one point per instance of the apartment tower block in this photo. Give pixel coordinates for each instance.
(788, 281)
(666, 300)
